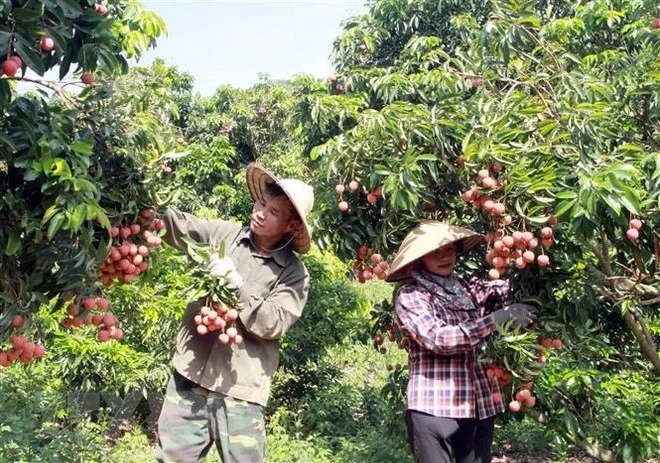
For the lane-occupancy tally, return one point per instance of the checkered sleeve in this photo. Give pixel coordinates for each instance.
(426, 325)
(488, 295)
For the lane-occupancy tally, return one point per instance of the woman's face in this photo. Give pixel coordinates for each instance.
(441, 261)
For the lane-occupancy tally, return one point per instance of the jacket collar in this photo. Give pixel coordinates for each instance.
(283, 257)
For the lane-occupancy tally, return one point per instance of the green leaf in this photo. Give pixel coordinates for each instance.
(102, 218)
(50, 212)
(612, 203)
(4, 138)
(28, 15)
(13, 243)
(71, 8)
(82, 147)
(564, 207)
(55, 224)
(29, 55)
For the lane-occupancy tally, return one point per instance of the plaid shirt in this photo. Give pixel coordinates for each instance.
(444, 319)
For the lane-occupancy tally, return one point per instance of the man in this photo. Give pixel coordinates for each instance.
(218, 392)
(452, 404)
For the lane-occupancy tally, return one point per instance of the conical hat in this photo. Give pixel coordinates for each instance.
(299, 193)
(426, 237)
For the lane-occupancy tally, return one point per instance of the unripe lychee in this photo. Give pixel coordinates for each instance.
(354, 185)
(343, 206)
(339, 188)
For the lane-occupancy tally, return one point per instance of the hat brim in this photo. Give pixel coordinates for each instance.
(258, 179)
(415, 246)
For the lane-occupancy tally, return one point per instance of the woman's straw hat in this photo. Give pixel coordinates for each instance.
(426, 237)
(299, 193)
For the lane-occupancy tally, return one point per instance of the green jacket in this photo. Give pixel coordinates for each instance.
(272, 298)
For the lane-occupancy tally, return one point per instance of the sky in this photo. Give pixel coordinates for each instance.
(232, 42)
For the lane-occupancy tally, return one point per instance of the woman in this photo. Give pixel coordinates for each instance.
(452, 403)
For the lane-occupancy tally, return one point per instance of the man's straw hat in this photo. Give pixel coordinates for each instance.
(299, 193)
(426, 237)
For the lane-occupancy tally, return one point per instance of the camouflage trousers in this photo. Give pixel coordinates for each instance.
(193, 418)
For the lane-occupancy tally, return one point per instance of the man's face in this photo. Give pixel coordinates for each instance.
(441, 261)
(273, 217)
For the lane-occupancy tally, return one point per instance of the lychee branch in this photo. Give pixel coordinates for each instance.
(52, 85)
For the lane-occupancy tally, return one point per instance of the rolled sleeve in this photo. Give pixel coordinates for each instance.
(417, 317)
(270, 316)
(181, 224)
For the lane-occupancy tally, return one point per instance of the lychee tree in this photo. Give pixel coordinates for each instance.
(536, 123)
(76, 165)
(227, 131)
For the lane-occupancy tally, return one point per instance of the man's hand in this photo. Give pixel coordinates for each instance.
(520, 313)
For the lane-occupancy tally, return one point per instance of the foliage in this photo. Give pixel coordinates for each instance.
(226, 132)
(346, 417)
(73, 165)
(41, 422)
(538, 117)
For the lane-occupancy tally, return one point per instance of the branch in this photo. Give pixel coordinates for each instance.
(655, 300)
(55, 86)
(635, 322)
(607, 264)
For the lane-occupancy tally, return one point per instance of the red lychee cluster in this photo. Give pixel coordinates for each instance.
(518, 247)
(88, 311)
(401, 343)
(523, 397)
(22, 349)
(486, 179)
(368, 265)
(128, 256)
(499, 374)
(354, 186)
(219, 317)
(633, 232)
